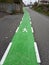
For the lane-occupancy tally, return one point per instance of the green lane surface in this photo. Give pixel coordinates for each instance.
(22, 51)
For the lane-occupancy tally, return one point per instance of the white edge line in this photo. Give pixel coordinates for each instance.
(17, 29)
(37, 53)
(5, 54)
(32, 30)
(30, 22)
(20, 22)
(22, 17)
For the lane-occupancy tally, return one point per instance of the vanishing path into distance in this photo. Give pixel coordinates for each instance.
(40, 24)
(22, 50)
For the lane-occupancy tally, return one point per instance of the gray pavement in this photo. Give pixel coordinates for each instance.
(40, 24)
(2, 14)
(8, 26)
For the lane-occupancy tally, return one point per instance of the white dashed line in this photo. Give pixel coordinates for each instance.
(20, 22)
(22, 18)
(32, 30)
(30, 22)
(37, 53)
(5, 54)
(17, 29)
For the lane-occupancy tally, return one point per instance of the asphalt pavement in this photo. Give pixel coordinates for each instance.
(2, 14)
(8, 26)
(40, 23)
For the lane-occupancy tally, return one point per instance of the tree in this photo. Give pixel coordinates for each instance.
(17, 1)
(9, 1)
(2, 1)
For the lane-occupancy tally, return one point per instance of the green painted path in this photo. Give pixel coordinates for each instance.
(22, 51)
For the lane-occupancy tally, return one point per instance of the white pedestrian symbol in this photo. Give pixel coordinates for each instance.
(24, 30)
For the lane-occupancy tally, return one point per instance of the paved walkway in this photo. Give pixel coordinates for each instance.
(40, 24)
(22, 50)
(2, 14)
(8, 25)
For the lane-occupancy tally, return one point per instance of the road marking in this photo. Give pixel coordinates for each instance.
(24, 30)
(5, 54)
(22, 18)
(30, 22)
(20, 22)
(37, 53)
(32, 30)
(17, 29)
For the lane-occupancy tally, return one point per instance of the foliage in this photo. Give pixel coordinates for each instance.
(42, 8)
(2, 1)
(11, 1)
(35, 4)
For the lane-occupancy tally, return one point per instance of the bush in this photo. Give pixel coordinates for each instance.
(2, 1)
(13, 12)
(35, 4)
(42, 8)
